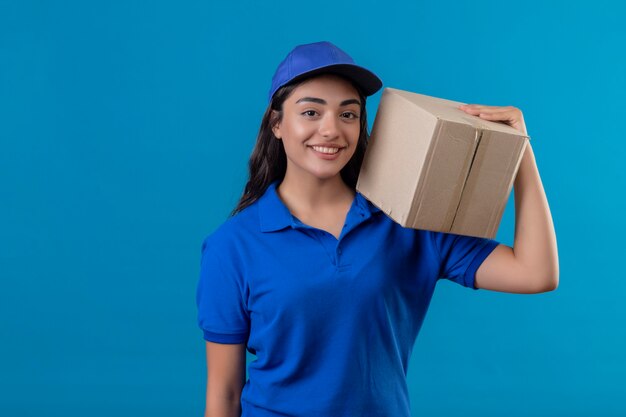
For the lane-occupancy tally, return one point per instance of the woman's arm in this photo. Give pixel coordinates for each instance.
(531, 265)
(226, 376)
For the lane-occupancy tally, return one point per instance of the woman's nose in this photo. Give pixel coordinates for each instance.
(328, 126)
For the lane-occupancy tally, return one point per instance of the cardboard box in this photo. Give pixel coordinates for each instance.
(431, 166)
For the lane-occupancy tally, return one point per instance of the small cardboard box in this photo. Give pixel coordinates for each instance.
(429, 165)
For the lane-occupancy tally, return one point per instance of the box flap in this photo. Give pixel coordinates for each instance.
(488, 184)
(443, 177)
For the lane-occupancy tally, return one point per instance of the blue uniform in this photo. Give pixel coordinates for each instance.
(331, 321)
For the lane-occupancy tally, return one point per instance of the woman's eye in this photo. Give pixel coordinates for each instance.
(347, 115)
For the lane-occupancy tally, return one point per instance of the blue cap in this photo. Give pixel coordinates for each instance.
(322, 57)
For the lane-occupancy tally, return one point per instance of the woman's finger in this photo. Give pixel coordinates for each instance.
(476, 112)
(485, 106)
(475, 107)
(507, 115)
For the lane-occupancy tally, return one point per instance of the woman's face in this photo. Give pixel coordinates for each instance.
(320, 126)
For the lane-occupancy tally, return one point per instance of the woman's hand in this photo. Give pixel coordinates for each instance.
(507, 114)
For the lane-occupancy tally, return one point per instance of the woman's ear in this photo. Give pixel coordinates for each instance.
(276, 127)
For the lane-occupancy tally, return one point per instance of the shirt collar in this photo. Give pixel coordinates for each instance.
(274, 214)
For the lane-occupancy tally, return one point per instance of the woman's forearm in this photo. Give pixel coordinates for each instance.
(222, 408)
(535, 240)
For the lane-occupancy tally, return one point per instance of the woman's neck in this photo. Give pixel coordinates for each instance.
(309, 194)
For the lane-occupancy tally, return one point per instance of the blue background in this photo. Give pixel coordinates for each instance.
(125, 132)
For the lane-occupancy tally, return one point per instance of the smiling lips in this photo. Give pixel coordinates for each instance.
(325, 149)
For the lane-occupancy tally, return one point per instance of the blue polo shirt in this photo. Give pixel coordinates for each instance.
(331, 321)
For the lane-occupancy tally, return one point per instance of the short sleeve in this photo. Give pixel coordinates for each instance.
(460, 256)
(222, 313)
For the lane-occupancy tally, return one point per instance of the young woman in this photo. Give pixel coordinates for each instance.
(326, 290)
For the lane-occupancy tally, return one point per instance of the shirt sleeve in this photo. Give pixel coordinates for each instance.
(222, 313)
(460, 256)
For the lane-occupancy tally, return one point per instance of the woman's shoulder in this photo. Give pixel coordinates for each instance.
(235, 228)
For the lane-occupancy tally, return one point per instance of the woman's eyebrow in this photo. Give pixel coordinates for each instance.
(321, 101)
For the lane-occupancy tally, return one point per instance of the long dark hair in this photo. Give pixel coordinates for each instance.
(268, 161)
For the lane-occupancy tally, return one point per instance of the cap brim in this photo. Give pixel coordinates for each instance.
(366, 80)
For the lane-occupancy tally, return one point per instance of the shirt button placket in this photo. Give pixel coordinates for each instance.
(338, 256)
